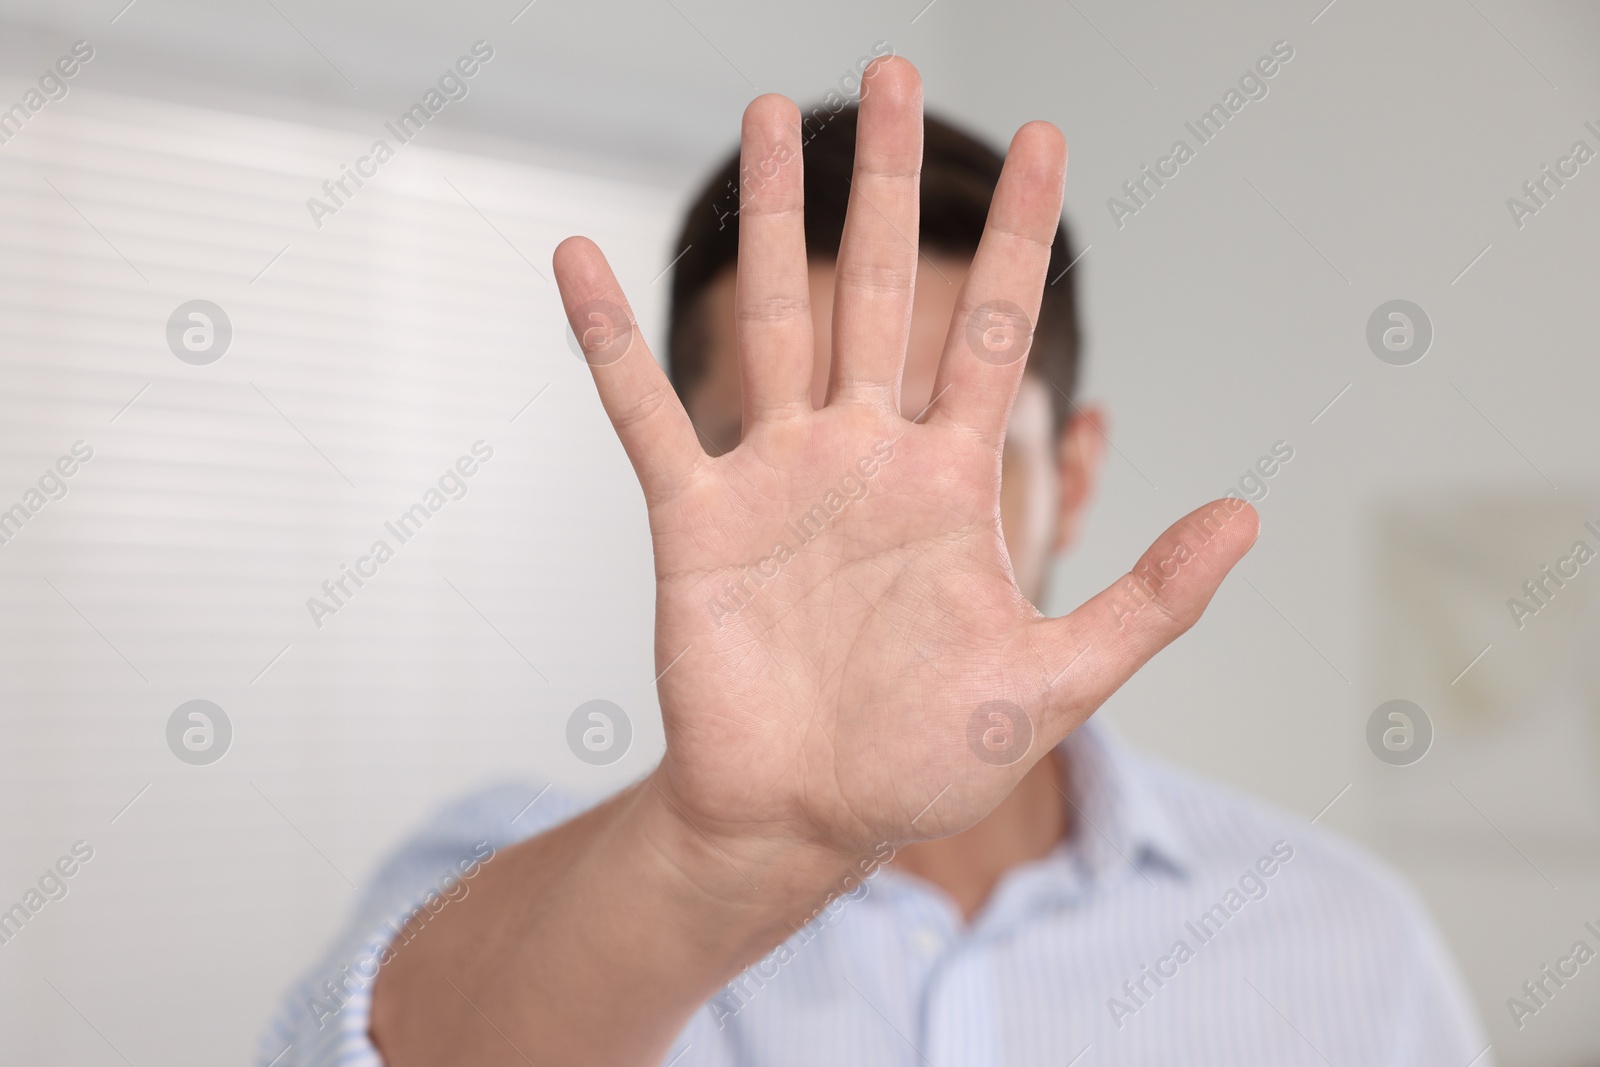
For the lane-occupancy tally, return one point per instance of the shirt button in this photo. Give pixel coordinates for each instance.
(927, 940)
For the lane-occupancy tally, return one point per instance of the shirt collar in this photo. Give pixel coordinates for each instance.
(1120, 829)
(1118, 818)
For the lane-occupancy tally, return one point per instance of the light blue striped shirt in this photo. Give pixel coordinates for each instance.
(1180, 923)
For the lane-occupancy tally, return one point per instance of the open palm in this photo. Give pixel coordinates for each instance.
(851, 661)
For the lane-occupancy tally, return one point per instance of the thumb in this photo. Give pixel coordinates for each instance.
(1100, 645)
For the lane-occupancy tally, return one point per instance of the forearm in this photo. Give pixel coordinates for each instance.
(593, 943)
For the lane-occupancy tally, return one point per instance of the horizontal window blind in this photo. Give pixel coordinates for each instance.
(414, 335)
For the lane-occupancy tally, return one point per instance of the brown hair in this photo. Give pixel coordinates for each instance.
(959, 175)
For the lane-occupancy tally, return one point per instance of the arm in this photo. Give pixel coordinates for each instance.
(593, 942)
(827, 694)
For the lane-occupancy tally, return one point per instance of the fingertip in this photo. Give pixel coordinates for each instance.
(1248, 512)
(770, 111)
(1232, 516)
(573, 253)
(1047, 130)
(1255, 533)
(893, 77)
(1042, 141)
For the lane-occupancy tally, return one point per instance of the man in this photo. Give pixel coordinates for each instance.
(879, 788)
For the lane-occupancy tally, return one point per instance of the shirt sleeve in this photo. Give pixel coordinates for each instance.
(1443, 1029)
(323, 1019)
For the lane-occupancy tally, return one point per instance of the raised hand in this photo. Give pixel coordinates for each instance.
(848, 660)
(851, 661)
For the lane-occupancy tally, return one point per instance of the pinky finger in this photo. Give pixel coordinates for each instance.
(650, 421)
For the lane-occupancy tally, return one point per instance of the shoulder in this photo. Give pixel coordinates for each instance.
(1323, 881)
(1334, 932)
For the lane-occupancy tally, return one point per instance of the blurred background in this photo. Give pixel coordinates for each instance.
(190, 474)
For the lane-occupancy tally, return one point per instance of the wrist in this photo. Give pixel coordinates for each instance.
(760, 886)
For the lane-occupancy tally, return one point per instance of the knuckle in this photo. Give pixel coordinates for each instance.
(875, 277)
(631, 413)
(774, 308)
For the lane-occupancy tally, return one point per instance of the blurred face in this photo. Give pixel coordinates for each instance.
(1044, 481)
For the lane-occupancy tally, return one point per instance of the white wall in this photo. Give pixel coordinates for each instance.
(1221, 319)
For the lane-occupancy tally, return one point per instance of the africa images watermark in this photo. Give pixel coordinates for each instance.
(452, 485)
(1541, 589)
(797, 533)
(1142, 586)
(452, 86)
(52, 87)
(853, 887)
(51, 486)
(1253, 886)
(52, 886)
(1538, 191)
(359, 974)
(1141, 188)
(1538, 991)
(755, 174)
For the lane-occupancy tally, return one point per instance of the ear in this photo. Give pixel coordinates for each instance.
(1078, 456)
